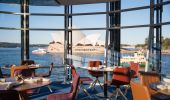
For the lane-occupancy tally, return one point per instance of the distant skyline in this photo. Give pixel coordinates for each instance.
(128, 36)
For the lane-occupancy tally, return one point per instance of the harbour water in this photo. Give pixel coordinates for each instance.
(9, 56)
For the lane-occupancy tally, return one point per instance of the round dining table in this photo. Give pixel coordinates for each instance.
(163, 89)
(22, 87)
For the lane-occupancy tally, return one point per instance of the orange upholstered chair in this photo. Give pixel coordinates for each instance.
(139, 91)
(121, 76)
(134, 67)
(95, 73)
(22, 70)
(70, 95)
(146, 78)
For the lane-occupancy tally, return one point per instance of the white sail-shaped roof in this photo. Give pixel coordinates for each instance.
(77, 36)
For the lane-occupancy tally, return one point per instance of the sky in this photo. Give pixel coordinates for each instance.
(128, 36)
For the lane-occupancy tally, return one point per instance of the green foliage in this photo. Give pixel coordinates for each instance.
(165, 43)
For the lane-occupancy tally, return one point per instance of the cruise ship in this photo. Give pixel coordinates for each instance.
(137, 57)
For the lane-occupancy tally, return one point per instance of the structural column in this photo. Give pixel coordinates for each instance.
(155, 35)
(24, 31)
(67, 40)
(115, 32)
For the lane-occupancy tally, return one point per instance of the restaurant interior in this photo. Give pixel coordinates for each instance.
(103, 80)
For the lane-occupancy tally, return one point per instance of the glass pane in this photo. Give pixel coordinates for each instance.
(10, 47)
(46, 22)
(7, 20)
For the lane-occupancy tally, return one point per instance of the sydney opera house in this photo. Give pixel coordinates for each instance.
(81, 43)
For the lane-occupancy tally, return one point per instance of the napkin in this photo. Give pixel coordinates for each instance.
(161, 87)
(46, 80)
(33, 80)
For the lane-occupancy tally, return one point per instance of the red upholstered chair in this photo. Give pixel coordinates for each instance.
(82, 80)
(134, 67)
(121, 76)
(139, 91)
(95, 73)
(70, 95)
(9, 95)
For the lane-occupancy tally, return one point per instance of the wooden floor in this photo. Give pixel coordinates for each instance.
(58, 87)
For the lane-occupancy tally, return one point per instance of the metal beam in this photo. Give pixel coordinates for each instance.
(24, 32)
(104, 28)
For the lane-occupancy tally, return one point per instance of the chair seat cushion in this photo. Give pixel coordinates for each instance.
(64, 96)
(118, 83)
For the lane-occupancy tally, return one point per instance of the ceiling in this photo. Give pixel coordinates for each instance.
(55, 2)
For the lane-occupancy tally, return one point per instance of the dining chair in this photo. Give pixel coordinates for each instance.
(95, 74)
(139, 91)
(82, 80)
(120, 77)
(134, 69)
(46, 75)
(147, 78)
(9, 95)
(23, 70)
(70, 95)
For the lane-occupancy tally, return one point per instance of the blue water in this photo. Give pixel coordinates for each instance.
(10, 56)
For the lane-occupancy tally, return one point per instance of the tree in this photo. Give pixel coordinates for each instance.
(166, 43)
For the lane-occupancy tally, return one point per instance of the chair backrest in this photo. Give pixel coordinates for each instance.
(147, 78)
(51, 68)
(9, 95)
(139, 91)
(75, 83)
(22, 70)
(27, 62)
(121, 74)
(95, 64)
(134, 67)
(73, 70)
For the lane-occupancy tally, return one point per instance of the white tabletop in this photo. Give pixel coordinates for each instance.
(102, 69)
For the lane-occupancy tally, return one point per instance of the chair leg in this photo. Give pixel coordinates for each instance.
(122, 94)
(38, 90)
(126, 89)
(100, 83)
(117, 89)
(84, 90)
(49, 87)
(93, 84)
